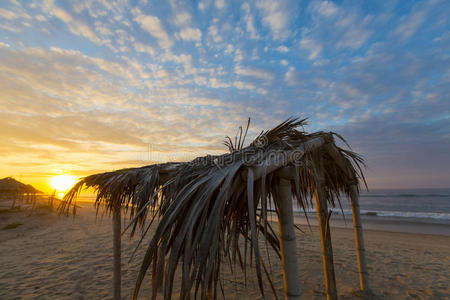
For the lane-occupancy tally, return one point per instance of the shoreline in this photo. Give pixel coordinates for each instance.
(369, 222)
(376, 223)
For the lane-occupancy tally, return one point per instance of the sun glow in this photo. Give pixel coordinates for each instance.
(62, 183)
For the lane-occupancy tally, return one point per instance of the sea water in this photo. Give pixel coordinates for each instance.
(415, 205)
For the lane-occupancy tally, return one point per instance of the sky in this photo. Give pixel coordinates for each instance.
(93, 86)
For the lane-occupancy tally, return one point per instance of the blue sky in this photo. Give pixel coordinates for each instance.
(89, 86)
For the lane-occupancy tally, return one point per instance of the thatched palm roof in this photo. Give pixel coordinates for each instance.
(10, 185)
(207, 205)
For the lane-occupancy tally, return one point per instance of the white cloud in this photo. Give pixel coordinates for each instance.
(191, 34)
(261, 91)
(284, 62)
(153, 25)
(275, 16)
(216, 83)
(213, 31)
(180, 59)
(255, 55)
(410, 26)
(283, 49)
(337, 27)
(325, 8)
(75, 26)
(313, 47)
(143, 48)
(238, 55)
(249, 21)
(202, 5)
(182, 18)
(241, 85)
(291, 77)
(244, 85)
(220, 4)
(229, 49)
(13, 14)
(353, 31)
(40, 18)
(254, 72)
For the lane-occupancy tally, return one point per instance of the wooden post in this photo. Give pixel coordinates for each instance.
(292, 289)
(357, 224)
(325, 239)
(359, 240)
(14, 199)
(116, 253)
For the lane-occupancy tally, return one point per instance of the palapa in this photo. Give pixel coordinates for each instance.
(207, 205)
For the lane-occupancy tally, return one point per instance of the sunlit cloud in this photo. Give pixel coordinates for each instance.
(92, 86)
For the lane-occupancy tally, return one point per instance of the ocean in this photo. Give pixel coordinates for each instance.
(419, 205)
(400, 210)
(406, 210)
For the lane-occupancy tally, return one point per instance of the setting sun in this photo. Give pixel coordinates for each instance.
(62, 183)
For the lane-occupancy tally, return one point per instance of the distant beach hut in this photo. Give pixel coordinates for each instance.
(11, 189)
(209, 206)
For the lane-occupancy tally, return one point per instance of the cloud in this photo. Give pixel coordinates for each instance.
(244, 85)
(276, 17)
(191, 34)
(13, 14)
(107, 90)
(254, 72)
(290, 77)
(352, 35)
(282, 49)
(335, 26)
(153, 25)
(249, 21)
(216, 83)
(75, 26)
(203, 4)
(229, 49)
(100, 115)
(409, 27)
(219, 4)
(238, 55)
(313, 47)
(182, 18)
(144, 48)
(213, 32)
(325, 8)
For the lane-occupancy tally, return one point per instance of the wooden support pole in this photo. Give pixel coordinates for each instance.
(116, 253)
(292, 288)
(325, 239)
(359, 240)
(34, 201)
(357, 224)
(14, 199)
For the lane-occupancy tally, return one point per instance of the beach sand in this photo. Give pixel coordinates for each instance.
(52, 257)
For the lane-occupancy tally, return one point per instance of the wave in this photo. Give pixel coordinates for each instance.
(403, 195)
(408, 214)
(394, 214)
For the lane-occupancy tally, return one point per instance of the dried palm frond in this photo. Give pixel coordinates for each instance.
(207, 206)
(135, 189)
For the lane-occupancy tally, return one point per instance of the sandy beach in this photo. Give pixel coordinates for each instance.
(53, 257)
